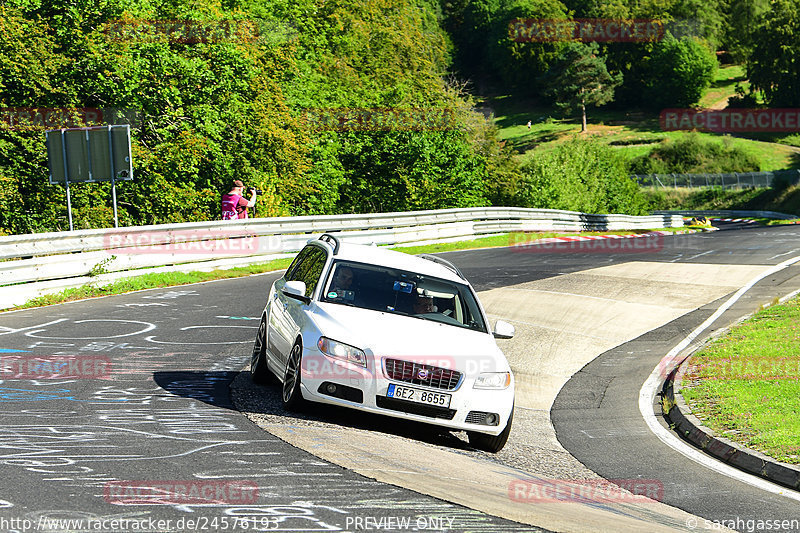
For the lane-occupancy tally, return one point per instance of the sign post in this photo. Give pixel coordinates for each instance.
(66, 177)
(113, 181)
(101, 153)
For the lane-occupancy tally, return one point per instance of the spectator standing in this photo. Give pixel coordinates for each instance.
(234, 204)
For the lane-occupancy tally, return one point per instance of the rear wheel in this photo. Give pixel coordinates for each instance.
(290, 395)
(258, 361)
(491, 443)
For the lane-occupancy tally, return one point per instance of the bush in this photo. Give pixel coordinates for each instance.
(580, 175)
(693, 155)
(679, 72)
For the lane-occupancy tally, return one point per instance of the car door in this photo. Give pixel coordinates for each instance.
(291, 314)
(278, 326)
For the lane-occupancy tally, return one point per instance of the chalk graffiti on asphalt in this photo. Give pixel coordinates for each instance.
(92, 327)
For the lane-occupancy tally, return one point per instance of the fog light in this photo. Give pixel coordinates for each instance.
(331, 388)
(491, 419)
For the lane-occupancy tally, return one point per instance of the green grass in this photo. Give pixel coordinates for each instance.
(632, 132)
(170, 279)
(152, 281)
(773, 222)
(785, 200)
(508, 239)
(723, 86)
(745, 386)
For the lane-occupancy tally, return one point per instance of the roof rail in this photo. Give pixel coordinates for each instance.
(443, 262)
(327, 237)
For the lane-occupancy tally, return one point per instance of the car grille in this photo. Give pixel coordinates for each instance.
(414, 408)
(419, 374)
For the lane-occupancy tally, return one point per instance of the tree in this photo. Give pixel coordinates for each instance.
(679, 72)
(774, 65)
(580, 77)
(741, 27)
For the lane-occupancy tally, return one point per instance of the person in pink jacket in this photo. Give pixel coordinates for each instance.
(234, 205)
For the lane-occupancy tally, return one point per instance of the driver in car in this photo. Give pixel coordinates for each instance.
(343, 280)
(423, 303)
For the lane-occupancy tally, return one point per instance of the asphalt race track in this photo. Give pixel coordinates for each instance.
(72, 449)
(146, 429)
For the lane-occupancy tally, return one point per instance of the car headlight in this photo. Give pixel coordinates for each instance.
(493, 380)
(340, 350)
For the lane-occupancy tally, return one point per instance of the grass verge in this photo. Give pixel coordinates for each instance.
(782, 200)
(151, 281)
(745, 386)
(170, 279)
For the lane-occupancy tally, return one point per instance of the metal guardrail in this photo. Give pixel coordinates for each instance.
(34, 264)
(729, 214)
(732, 180)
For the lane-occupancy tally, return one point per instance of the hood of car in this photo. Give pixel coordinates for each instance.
(387, 335)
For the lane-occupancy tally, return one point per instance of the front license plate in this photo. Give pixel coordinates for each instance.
(418, 396)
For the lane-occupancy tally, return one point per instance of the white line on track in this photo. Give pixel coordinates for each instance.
(779, 255)
(648, 392)
(698, 255)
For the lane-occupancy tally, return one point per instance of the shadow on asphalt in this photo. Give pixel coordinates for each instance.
(265, 401)
(214, 388)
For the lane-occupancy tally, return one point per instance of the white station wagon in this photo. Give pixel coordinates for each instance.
(388, 333)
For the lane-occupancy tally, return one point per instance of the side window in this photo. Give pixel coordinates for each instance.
(310, 269)
(291, 272)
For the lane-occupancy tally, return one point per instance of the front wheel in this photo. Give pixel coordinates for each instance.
(259, 372)
(291, 396)
(491, 443)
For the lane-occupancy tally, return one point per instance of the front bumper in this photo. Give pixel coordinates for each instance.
(466, 402)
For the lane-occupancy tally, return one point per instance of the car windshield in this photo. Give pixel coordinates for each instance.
(404, 293)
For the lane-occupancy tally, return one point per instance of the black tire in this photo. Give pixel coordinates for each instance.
(490, 443)
(259, 372)
(291, 396)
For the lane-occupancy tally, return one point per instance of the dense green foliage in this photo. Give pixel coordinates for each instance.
(229, 108)
(742, 30)
(691, 154)
(679, 72)
(486, 53)
(580, 175)
(246, 103)
(774, 63)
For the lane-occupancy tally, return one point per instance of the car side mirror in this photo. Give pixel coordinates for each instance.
(503, 330)
(296, 290)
